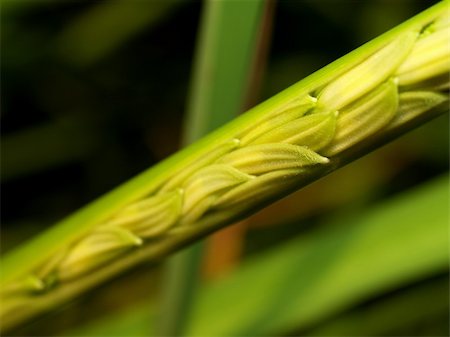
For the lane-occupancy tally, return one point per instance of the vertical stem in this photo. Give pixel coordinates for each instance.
(223, 249)
(225, 50)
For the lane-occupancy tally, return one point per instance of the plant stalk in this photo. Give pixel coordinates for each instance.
(225, 48)
(371, 103)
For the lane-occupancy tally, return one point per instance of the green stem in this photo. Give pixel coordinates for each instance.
(182, 274)
(225, 49)
(24, 259)
(163, 248)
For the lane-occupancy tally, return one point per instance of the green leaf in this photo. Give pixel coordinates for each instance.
(307, 280)
(389, 316)
(310, 278)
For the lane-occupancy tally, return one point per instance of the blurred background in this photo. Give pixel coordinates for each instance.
(94, 92)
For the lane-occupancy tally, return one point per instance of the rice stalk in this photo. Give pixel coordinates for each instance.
(258, 163)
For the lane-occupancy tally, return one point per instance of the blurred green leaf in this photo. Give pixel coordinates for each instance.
(18, 6)
(393, 314)
(313, 277)
(137, 323)
(52, 144)
(308, 279)
(107, 25)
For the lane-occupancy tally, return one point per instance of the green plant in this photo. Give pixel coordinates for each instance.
(199, 190)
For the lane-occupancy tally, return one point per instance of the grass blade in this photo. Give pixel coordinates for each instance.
(225, 49)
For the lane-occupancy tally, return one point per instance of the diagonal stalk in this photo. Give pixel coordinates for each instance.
(330, 118)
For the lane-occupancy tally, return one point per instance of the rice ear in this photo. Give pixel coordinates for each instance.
(255, 161)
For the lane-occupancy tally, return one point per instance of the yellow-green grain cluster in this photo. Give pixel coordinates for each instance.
(401, 80)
